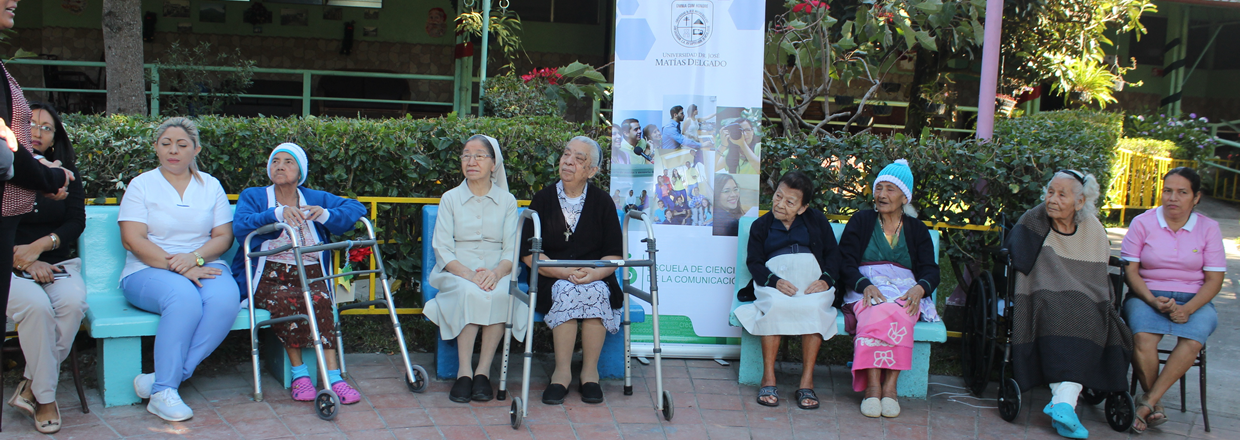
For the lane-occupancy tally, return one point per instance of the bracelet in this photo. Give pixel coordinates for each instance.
(55, 240)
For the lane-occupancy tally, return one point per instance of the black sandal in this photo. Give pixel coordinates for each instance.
(554, 394)
(770, 391)
(461, 390)
(482, 389)
(804, 394)
(591, 392)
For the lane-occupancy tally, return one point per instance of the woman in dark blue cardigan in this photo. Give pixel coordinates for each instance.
(315, 215)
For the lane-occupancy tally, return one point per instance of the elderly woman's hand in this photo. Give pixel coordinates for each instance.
(912, 300)
(485, 279)
(198, 273)
(180, 263)
(583, 275)
(817, 286)
(785, 287)
(1164, 304)
(42, 272)
(872, 296)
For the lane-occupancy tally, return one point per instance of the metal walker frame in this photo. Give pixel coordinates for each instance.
(520, 405)
(326, 402)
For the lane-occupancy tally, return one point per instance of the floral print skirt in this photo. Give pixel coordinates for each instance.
(582, 301)
(279, 292)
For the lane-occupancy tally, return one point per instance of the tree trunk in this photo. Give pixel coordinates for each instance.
(925, 69)
(122, 48)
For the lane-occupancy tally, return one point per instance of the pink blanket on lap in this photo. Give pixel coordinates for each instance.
(884, 340)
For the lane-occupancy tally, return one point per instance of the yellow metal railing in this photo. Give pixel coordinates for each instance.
(1226, 179)
(1136, 180)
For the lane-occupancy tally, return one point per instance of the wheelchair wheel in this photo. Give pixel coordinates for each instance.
(419, 383)
(981, 327)
(1092, 397)
(326, 404)
(514, 412)
(1120, 411)
(1009, 399)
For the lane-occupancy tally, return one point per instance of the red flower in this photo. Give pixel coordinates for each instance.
(809, 5)
(358, 255)
(549, 74)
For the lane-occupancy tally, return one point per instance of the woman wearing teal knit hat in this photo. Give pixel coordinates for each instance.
(888, 271)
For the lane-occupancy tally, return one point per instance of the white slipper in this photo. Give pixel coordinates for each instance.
(870, 407)
(891, 408)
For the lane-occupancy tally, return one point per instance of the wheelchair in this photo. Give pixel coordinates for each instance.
(520, 405)
(988, 332)
(326, 402)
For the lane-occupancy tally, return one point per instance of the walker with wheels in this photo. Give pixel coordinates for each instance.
(520, 405)
(326, 402)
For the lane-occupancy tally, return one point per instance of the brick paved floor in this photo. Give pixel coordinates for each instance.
(709, 404)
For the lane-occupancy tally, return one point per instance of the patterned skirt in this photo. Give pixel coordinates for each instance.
(279, 292)
(582, 301)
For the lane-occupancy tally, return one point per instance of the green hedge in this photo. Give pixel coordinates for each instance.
(957, 182)
(1152, 147)
(348, 157)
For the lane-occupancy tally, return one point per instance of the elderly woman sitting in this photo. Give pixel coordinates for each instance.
(315, 215)
(887, 265)
(577, 224)
(475, 238)
(1177, 263)
(794, 262)
(1065, 331)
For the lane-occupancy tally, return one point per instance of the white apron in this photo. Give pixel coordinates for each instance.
(774, 313)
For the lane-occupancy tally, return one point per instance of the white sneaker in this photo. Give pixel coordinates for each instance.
(142, 385)
(167, 405)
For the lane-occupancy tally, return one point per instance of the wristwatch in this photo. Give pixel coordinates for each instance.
(201, 261)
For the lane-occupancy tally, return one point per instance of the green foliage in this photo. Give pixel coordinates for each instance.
(1086, 80)
(508, 96)
(1041, 36)
(1191, 134)
(348, 157)
(1151, 147)
(1004, 177)
(505, 30)
(577, 81)
(201, 90)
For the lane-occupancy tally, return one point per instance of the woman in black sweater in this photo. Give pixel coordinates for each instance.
(48, 296)
(794, 261)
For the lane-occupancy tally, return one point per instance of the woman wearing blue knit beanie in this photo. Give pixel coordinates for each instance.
(888, 270)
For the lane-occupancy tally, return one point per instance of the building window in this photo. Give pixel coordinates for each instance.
(557, 11)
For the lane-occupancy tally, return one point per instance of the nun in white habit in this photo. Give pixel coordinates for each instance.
(475, 240)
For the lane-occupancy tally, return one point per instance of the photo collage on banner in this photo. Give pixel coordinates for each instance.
(686, 150)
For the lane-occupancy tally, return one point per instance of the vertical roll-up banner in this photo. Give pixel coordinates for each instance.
(686, 150)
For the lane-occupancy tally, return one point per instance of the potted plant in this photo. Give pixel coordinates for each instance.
(935, 95)
(1085, 80)
(1004, 104)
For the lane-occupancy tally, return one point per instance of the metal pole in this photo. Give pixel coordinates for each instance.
(305, 95)
(1181, 74)
(990, 70)
(154, 90)
(486, 37)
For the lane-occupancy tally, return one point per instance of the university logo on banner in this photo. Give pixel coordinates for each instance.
(691, 25)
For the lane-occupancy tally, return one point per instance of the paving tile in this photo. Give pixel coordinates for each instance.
(256, 411)
(405, 417)
(717, 402)
(673, 384)
(395, 400)
(464, 433)
(147, 425)
(505, 432)
(419, 433)
(773, 420)
(214, 432)
(589, 414)
(354, 418)
(723, 418)
(71, 416)
(262, 428)
(358, 372)
(951, 434)
(597, 431)
(85, 432)
(896, 431)
(717, 432)
(382, 386)
(716, 386)
(342, 436)
(641, 431)
(715, 372)
(452, 417)
(553, 432)
(539, 414)
(636, 415)
(685, 432)
(220, 382)
(912, 417)
(306, 424)
(493, 415)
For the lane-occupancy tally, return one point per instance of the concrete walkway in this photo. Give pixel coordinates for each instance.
(709, 402)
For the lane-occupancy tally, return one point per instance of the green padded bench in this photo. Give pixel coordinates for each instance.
(912, 383)
(117, 326)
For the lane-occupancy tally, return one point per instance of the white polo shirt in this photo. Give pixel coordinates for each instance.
(175, 223)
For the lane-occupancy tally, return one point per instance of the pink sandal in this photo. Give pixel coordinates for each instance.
(348, 395)
(303, 390)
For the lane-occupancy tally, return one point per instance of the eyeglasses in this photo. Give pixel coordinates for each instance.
(45, 128)
(477, 157)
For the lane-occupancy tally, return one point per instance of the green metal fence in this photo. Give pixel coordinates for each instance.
(306, 76)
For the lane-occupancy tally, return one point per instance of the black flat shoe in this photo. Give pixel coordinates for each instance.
(591, 392)
(554, 394)
(461, 390)
(482, 389)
